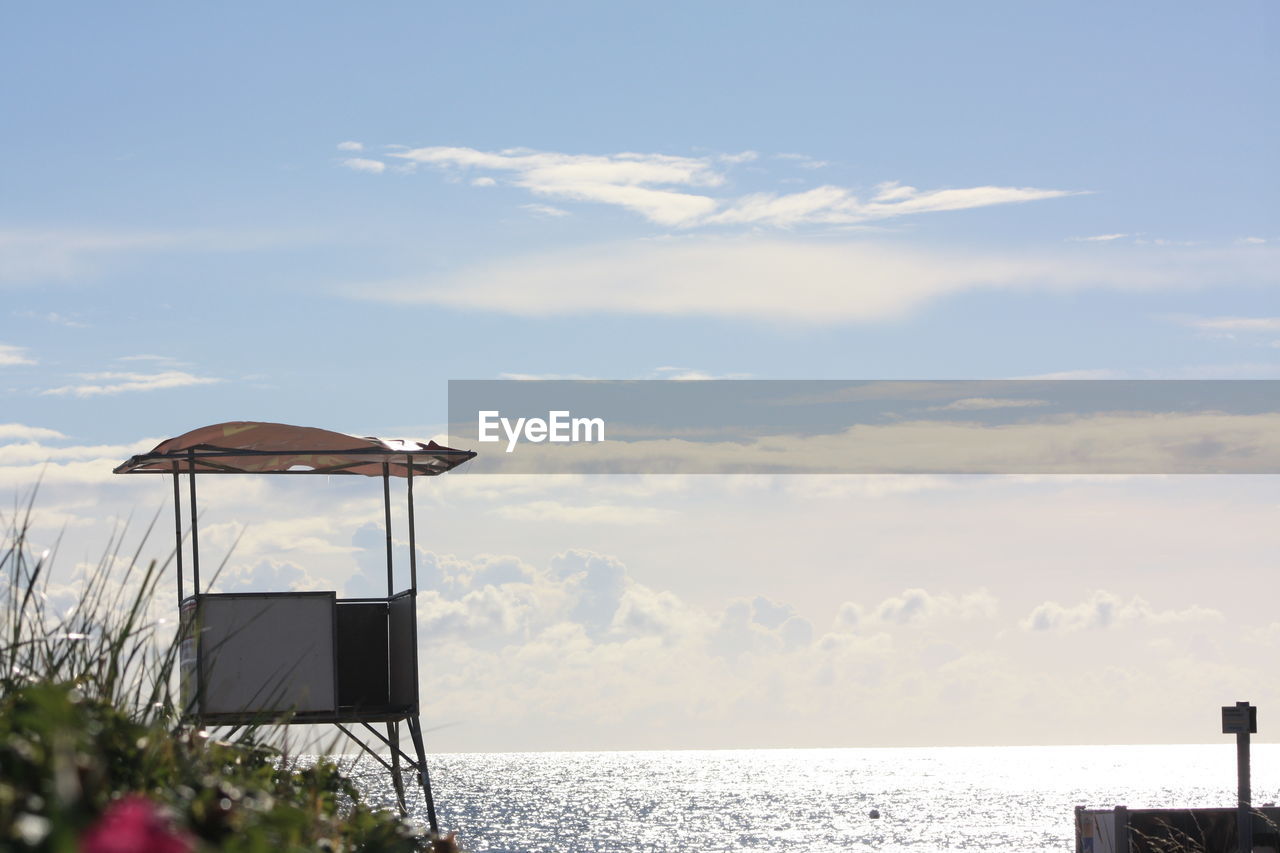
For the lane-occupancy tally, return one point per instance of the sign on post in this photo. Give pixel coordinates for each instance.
(1239, 720)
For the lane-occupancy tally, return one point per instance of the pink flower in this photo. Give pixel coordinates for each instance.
(134, 825)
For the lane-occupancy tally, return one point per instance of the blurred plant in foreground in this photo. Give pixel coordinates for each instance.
(94, 758)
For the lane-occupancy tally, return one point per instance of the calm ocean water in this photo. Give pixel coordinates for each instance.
(984, 798)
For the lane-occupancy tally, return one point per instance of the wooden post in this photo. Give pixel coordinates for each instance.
(1244, 820)
(1241, 720)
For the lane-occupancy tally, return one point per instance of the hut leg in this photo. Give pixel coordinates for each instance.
(393, 735)
(424, 779)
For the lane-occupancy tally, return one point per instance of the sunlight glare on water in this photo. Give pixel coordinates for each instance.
(979, 798)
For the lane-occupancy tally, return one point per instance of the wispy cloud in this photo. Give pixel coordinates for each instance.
(976, 404)
(804, 161)
(364, 164)
(1100, 238)
(146, 356)
(627, 180)
(1236, 324)
(350, 145)
(11, 355)
(28, 256)
(690, 373)
(795, 280)
(53, 318)
(677, 191)
(838, 206)
(113, 382)
(545, 210)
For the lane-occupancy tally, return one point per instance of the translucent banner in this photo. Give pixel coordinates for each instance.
(867, 426)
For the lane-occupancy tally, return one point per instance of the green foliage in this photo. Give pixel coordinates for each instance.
(88, 720)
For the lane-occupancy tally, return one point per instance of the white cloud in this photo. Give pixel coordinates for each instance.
(689, 373)
(553, 511)
(114, 382)
(837, 206)
(22, 432)
(1100, 238)
(33, 255)
(795, 280)
(350, 146)
(974, 404)
(31, 452)
(1203, 371)
(804, 161)
(159, 360)
(1237, 324)
(545, 210)
(363, 164)
(919, 605)
(653, 185)
(534, 377)
(627, 180)
(53, 318)
(484, 182)
(14, 355)
(1104, 610)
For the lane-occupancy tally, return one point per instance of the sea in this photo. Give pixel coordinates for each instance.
(1008, 799)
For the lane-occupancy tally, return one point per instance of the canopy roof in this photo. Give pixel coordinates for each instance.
(252, 447)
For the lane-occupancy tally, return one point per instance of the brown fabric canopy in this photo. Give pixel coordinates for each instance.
(252, 447)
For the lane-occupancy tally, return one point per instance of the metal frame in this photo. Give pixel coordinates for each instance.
(391, 717)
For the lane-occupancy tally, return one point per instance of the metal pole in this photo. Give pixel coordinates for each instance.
(1244, 817)
(386, 506)
(195, 583)
(413, 542)
(424, 779)
(177, 527)
(393, 737)
(195, 536)
(413, 578)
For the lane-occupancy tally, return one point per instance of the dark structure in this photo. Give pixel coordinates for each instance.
(302, 657)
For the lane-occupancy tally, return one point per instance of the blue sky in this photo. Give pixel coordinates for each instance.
(319, 213)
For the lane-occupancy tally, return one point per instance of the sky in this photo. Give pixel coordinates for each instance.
(320, 213)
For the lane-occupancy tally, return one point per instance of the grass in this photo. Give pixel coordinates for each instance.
(93, 753)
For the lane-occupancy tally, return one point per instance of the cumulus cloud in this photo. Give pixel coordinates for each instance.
(915, 605)
(760, 626)
(1104, 610)
(597, 513)
(117, 382)
(657, 187)
(267, 575)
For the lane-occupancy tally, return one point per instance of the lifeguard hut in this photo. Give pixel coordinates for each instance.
(302, 657)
